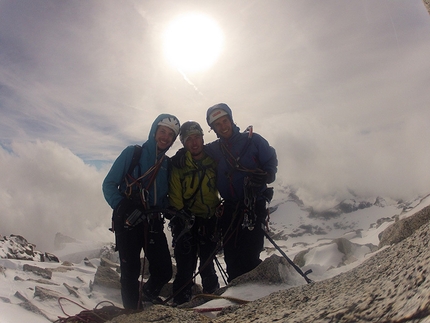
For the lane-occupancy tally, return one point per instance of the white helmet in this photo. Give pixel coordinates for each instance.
(172, 123)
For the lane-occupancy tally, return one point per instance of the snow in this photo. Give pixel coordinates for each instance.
(359, 227)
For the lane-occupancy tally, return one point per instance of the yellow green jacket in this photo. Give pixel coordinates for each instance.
(193, 187)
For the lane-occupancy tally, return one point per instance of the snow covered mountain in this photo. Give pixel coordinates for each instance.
(328, 242)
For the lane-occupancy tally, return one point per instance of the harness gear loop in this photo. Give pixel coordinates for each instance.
(143, 191)
(188, 221)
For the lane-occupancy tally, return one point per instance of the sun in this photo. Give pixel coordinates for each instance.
(192, 42)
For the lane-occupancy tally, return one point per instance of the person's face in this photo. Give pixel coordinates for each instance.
(223, 127)
(164, 137)
(194, 144)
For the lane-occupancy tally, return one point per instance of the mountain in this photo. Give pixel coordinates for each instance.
(354, 274)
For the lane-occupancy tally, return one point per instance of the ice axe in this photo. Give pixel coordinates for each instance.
(303, 274)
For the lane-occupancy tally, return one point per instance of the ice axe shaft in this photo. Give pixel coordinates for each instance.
(303, 274)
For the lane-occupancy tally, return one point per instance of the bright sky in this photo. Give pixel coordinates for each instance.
(339, 88)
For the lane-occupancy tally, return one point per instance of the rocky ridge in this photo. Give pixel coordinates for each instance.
(391, 286)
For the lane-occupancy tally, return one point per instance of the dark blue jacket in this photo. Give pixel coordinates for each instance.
(114, 184)
(252, 151)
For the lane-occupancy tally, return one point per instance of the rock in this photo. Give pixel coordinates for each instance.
(88, 263)
(33, 308)
(159, 313)
(391, 286)
(51, 257)
(108, 252)
(107, 263)
(273, 270)
(67, 264)
(43, 281)
(71, 290)
(45, 293)
(62, 269)
(299, 258)
(45, 273)
(39, 281)
(17, 247)
(347, 248)
(21, 297)
(4, 299)
(404, 228)
(106, 276)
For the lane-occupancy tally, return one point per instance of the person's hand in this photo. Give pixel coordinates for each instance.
(258, 179)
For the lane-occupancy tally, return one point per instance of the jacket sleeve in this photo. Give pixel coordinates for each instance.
(115, 177)
(175, 189)
(267, 157)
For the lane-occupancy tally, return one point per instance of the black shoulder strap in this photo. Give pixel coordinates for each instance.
(135, 160)
(203, 170)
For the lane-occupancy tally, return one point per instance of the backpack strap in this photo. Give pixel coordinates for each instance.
(134, 162)
(135, 159)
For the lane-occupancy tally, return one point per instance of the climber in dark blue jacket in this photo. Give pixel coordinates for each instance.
(246, 163)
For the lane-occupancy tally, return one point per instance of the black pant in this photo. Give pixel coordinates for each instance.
(242, 247)
(196, 243)
(150, 237)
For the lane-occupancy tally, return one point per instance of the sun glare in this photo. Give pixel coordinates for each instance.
(192, 42)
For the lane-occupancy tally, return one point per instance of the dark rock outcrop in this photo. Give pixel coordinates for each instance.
(404, 228)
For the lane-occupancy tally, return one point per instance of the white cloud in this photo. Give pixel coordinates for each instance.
(340, 89)
(46, 189)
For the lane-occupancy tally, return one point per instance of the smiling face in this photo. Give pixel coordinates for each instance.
(164, 137)
(223, 127)
(194, 144)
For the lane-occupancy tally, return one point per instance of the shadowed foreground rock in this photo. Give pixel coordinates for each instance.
(159, 313)
(392, 286)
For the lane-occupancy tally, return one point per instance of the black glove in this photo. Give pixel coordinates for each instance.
(178, 160)
(258, 179)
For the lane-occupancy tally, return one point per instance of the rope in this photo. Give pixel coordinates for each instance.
(153, 169)
(96, 315)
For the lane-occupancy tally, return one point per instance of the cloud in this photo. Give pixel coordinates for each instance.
(46, 189)
(340, 89)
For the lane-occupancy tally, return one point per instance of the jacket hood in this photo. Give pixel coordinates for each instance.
(152, 145)
(224, 107)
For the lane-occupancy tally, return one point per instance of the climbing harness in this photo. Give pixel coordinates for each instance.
(144, 191)
(187, 221)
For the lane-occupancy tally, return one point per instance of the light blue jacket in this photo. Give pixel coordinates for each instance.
(114, 184)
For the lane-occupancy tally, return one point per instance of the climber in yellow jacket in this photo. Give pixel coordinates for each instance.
(193, 193)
